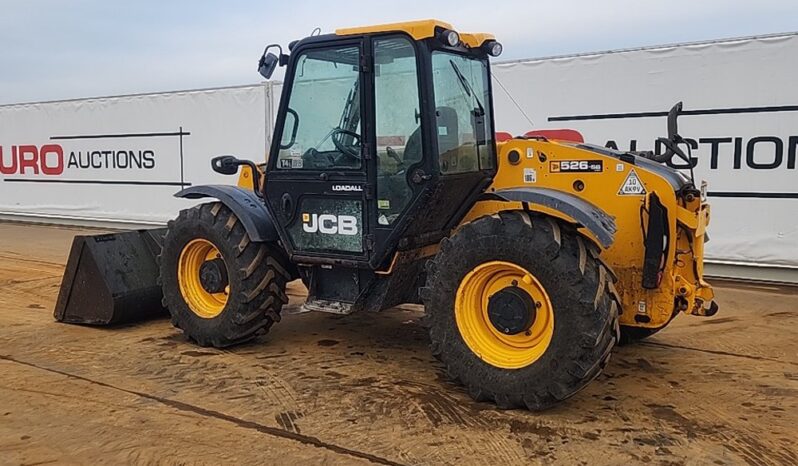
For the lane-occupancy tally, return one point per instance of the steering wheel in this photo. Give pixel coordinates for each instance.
(353, 150)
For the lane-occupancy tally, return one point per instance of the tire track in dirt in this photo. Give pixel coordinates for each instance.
(436, 408)
(745, 444)
(716, 352)
(181, 406)
(219, 371)
(28, 261)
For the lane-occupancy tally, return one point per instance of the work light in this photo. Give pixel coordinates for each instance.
(493, 48)
(449, 37)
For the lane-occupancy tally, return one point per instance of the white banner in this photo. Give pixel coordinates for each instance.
(741, 106)
(120, 159)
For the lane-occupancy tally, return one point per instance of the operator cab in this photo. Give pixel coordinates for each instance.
(384, 139)
(371, 121)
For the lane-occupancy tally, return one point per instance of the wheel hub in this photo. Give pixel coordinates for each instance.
(213, 276)
(504, 314)
(202, 277)
(511, 311)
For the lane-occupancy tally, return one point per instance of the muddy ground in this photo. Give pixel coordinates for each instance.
(364, 389)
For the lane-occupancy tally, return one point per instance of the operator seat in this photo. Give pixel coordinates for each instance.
(447, 131)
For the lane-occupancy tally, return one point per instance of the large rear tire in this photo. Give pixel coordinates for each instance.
(221, 288)
(521, 310)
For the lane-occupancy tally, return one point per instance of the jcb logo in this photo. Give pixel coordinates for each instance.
(330, 224)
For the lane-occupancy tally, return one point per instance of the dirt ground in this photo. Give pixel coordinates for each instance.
(325, 389)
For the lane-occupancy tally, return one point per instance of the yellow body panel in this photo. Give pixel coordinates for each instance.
(475, 39)
(245, 177)
(682, 274)
(418, 30)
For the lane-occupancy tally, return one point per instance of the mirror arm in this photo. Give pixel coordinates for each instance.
(228, 165)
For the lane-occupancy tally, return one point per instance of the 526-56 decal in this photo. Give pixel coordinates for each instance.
(576, 166)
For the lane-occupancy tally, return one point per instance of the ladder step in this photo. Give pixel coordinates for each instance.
(323, 305)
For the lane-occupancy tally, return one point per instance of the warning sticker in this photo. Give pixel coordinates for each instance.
(530, 175)
(632, 186)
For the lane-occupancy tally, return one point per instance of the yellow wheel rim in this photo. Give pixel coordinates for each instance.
(203, 303)
(479, 333)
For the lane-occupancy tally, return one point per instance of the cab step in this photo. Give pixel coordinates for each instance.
(323, 305)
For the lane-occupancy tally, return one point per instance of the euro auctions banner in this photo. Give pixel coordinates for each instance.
(740, 120)
(120, 159)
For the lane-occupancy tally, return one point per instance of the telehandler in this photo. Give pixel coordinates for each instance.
(384, 185)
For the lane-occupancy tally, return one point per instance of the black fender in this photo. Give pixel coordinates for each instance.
(248, 207)
(598, 222)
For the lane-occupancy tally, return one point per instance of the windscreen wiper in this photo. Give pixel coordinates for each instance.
(467, 87)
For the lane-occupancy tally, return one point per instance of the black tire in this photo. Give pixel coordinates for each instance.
(257, 274)
(580, 288)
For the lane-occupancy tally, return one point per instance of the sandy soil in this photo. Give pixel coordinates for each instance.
(364, 389)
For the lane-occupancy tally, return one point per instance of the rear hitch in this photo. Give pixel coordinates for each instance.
(701, 311)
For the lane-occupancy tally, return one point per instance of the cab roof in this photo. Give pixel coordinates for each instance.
(418, 30)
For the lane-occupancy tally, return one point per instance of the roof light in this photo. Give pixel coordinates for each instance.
(449, 37)
(493, 48)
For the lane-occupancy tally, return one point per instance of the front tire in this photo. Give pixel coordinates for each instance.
(221, 288)
(521, 310)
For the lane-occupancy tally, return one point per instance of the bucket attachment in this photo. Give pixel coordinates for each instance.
(111, 279)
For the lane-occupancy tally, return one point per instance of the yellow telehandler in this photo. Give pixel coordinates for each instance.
(533, 257)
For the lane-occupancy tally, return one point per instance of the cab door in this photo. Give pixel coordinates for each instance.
(316, 183)
(400, 164)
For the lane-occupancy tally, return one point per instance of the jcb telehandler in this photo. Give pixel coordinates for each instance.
(384, 185)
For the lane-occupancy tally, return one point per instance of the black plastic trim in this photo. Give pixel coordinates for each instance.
(247, 206)
(671, 175)
(598, 222)
(655, 241)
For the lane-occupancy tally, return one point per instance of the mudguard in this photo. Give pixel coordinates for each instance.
(248, 207)
(598, 222)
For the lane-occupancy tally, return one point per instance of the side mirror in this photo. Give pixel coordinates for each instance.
(267, 64)
(228, 165)
(673, 114)
(225, 164)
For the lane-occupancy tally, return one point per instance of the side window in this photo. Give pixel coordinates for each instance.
(462, 108)
(398, 124)
(322, 124)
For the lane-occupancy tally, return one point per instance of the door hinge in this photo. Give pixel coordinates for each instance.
(369, 242)
(367, 153)
(368, 191)
(364, 64)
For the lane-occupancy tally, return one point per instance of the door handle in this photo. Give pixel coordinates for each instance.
(286, 204)
(419, 176)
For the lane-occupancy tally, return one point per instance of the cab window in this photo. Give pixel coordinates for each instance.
(322, 128)
(398, 124)
(462, 110)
